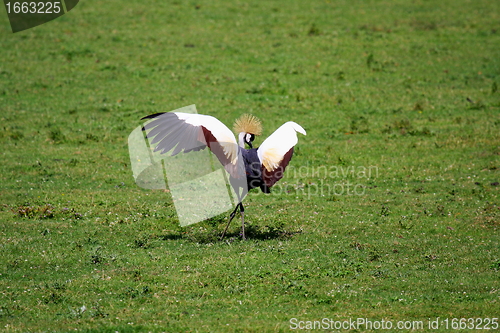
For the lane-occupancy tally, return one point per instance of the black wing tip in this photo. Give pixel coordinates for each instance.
(151, 116)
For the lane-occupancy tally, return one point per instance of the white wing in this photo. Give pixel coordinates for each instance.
(276, 151)
(177, 132)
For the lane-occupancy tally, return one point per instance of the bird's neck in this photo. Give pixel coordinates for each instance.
(241, 139)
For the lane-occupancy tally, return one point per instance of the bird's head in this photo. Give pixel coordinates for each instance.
(247, 127)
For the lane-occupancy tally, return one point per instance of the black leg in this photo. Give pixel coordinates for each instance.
(242, 213)
(231, 218)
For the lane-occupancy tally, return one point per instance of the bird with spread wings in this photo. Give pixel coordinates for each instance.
(176, 132)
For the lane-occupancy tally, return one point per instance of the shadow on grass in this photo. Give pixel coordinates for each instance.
(262, 233)
(252, 232)
(171, 237)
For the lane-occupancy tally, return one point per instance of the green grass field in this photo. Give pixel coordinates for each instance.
(390, 209)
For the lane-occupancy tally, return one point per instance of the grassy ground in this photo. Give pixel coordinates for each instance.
(390, 209)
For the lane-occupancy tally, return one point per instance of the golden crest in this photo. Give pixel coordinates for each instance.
(248, 123)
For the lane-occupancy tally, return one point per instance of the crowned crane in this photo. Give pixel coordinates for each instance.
(248, 168)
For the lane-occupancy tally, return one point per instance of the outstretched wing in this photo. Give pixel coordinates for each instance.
(177, 132)
(276, 151)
